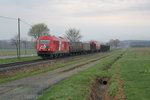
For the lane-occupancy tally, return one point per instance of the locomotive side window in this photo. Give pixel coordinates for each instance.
(44, 41)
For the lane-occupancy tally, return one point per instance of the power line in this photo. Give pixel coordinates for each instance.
(8, 18)
(15, 19)
(25, 22)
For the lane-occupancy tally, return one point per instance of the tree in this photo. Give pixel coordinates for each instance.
(38, 30)
(73, 35)
(114, 42)
(14, 41)
(24, 42)
(111, 42)
(1, 44)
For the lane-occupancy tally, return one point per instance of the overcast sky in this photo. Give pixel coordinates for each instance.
(100, 20)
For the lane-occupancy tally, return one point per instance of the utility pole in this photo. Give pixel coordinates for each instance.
(19, 35)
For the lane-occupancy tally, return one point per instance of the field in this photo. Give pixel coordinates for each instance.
(133, 70)
(13, 52)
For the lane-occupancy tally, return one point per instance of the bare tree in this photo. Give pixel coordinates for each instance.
(1, 44)
(14, 41)
(24, 42)
(111, 42)
(114, 42)
(73, 35)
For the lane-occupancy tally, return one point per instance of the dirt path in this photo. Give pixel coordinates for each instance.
(31, 88)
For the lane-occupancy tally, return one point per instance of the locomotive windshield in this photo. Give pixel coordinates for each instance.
(44, 41)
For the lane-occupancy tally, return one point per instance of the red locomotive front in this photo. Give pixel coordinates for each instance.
(50, 46)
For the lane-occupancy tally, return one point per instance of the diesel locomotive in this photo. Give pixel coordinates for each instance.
(52, 47)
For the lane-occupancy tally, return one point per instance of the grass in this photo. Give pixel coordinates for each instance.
(134, 68)
(78, 86)
(9, 52)
(8, 79)
(12, 60)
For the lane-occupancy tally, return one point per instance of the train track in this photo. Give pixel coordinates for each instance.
(17, 65)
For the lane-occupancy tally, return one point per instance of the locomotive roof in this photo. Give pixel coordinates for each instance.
(53, 38)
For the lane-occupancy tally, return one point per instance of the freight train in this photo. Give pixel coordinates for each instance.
(52, 47)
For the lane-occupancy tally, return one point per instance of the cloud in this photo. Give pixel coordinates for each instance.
(83, 14)
(39, 10)
(95, 11)
(72, 7)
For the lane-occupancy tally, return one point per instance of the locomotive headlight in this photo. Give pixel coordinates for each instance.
(43, 47)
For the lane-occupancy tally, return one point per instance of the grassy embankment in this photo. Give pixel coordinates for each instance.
(10, 52)
(133, 72)
(4, 79)
(78, 86)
